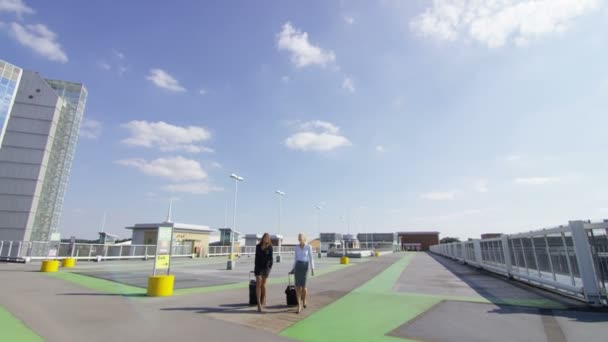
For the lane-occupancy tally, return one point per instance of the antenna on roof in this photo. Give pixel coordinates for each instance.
(169, 211)
(103, 223)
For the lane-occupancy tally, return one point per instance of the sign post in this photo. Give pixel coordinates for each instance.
(164, 244)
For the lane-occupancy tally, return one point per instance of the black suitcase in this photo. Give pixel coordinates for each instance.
(291, 294)
(253, 297)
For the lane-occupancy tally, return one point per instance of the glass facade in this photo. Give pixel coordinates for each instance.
(59, 164)
(9, 82)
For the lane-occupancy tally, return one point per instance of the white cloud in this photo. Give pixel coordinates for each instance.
(90, 129)
(349, 19)
(317, 136)
(285, 79)
(513, 158)
(321, 125)
(116, 61)
(202, 92)
(163, 79)
(380, 149)
(495, 23)
(310, 141)
(175, 168)
(118, 54)
(439, 195)
(303, 53)
(481, 185)
(15, 6)
(536, 180)
(198, 188)
(41, 40)
(216, 165)
(348, 84)
(451, 217)
(167, 137)
(105, 65)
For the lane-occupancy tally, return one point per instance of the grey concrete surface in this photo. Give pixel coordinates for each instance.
(474, 322)
(190, 274)
(61, 311)
(37, 300)
(430, 274)
(469, 321)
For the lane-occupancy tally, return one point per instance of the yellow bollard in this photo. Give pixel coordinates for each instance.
(49, 266)
(344, 260)
(68, 263)
(161, 285)
(377, 254)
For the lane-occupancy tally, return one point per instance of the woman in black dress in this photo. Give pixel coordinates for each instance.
(263, 265)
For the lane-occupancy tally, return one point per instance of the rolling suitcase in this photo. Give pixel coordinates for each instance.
(253, 298)
(291, 294)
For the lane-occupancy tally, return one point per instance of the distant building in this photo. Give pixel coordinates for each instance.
(491, 235)
(378, 240)
(226, 235)
(418, 241)
(252, 239)
(107, 238)
(192, 239)
(330, 240)
(39, 126)
(350, 241)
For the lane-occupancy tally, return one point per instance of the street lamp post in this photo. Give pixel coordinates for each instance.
(231, 262)
(280, 237)
(319, 208)
(343, 239)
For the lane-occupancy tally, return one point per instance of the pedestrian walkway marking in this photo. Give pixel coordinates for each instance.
(12, 329)
(374, 309)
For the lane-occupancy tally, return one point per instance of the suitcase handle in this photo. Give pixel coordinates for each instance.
(289, 279)
(250, 273)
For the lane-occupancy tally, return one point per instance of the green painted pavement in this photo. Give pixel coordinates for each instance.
(111, 287)
(365, 314)
(12, 329)
(101, 285)
(373, 310)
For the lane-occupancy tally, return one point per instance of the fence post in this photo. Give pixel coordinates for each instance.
(506, 253)
(477, 248)
(585, 262)
(19, 249)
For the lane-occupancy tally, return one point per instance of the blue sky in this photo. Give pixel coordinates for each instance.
(464, 116)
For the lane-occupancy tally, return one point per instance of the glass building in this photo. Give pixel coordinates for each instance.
(9, 82)
(41, 122)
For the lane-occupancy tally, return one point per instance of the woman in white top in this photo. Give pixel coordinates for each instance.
(302, 262)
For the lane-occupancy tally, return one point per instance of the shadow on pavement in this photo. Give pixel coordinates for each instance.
(586, 316)
(105, 294)
(574, 311)
(239, 308)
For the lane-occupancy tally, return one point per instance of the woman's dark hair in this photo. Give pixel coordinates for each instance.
(262, 241)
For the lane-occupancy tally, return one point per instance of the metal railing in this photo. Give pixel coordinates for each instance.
(36, 250)
(245, 250)
(40, 250)
(570, 259)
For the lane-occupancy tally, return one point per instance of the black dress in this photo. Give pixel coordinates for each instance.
(263, 261)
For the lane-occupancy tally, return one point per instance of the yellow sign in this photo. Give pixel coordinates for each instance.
(162, 261)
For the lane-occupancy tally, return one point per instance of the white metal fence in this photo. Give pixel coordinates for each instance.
(33, 250)
(246, 250)
(570, 259)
